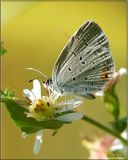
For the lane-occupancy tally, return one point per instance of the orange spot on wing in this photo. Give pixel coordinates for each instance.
(104, 75)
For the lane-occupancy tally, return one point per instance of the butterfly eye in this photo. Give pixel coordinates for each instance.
(49, 81)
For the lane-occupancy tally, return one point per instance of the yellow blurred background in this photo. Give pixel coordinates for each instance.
(34, 34)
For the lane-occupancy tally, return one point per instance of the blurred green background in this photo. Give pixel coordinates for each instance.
(34, 34)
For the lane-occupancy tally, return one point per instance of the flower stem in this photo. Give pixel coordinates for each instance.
(101, 126)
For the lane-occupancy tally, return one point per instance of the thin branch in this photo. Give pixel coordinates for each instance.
(108, 130)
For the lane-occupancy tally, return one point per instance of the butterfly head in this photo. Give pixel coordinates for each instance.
(48, 84)
(51, 88)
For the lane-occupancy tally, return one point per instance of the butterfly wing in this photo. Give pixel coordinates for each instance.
(85, 64)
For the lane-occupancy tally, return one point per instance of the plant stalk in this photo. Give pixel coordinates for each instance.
(108, 130)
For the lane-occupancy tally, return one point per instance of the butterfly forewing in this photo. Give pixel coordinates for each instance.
(85, 64)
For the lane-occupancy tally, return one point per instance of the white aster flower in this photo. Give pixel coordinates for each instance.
(105, 147)
(97, 148)
(117, 145)
(42, 107)
(45, 107)
(122, 71)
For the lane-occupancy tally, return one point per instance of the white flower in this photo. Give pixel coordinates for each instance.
(104, 147)
(97, 148)
(42, 107)
(122, 71)
(45, 107)
(99, 93)
(35, 93)
(117, 145)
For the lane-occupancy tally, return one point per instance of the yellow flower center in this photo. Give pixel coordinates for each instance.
(42, 109)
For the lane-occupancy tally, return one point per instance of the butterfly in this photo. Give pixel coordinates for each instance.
(85, 64)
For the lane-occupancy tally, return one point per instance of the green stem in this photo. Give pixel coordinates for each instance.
(101, 126)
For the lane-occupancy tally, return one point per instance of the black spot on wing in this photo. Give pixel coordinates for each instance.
(69, 69)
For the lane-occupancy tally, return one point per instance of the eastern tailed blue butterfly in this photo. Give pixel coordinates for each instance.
(85, 65)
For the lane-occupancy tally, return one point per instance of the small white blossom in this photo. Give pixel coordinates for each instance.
(117, 145)
(44, 107)
(99, 93)
(102, 147)
(122, 71)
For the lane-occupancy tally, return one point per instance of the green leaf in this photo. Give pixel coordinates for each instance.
(2, 94)
(112, 102)
(2, 51)
(121, 125)
(27, 124)
(8, 93)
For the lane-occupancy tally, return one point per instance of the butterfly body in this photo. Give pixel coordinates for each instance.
(85, 65)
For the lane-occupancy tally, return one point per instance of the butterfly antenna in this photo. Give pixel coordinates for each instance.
(33, 69)
(35, 78)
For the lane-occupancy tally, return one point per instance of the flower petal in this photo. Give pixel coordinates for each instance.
(117, 145)
(36, 89)
(122, 71)
(99, 93)
(69, 104)
(29, 94)
(38, 141)
(70, 117)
